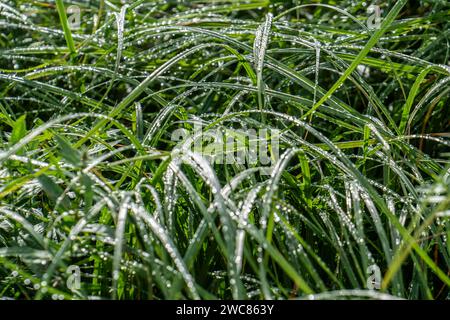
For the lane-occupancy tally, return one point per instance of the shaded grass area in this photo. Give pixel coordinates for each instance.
(91, 178)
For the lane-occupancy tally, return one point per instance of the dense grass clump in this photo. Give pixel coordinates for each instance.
(102, 171)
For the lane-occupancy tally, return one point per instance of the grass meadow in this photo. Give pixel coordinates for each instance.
(224, 149)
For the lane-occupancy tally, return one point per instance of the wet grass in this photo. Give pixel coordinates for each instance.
(92, 180)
